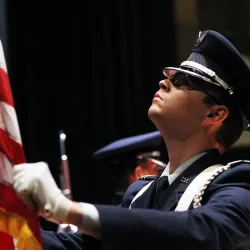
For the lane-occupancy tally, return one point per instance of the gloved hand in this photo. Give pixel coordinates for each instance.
(34, 183)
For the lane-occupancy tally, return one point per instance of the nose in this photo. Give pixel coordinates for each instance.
(165, 85)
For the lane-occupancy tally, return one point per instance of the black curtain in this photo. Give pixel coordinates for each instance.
(90, 68)
(4, 28)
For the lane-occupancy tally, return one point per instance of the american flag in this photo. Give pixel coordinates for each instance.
(19, 226)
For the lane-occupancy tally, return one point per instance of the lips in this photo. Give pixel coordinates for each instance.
(157, 96)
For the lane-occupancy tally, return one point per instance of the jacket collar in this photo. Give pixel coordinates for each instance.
(172, 195)
(177, 188)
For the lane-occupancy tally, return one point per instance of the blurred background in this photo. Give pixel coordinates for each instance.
(91, 68)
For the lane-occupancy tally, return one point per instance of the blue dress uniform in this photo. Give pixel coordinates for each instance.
(222, 222)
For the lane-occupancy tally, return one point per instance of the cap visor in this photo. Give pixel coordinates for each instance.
(167, 73)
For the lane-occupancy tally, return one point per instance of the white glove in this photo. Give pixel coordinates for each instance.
(34, 183)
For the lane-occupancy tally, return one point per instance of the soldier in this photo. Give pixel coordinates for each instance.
(201, 110)
(128, 159)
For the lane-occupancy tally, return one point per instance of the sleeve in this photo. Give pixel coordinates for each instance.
(63, 241)
(90, 220)
(222, 223)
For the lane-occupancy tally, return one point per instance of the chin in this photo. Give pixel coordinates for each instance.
(154, 112)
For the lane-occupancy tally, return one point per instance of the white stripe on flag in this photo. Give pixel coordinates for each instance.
(9, 120)
(5, 169)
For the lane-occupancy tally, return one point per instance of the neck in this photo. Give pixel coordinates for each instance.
(180, 150)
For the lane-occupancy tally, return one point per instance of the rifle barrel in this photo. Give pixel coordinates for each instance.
(65, 180)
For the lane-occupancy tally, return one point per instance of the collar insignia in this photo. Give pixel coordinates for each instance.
(184, 179)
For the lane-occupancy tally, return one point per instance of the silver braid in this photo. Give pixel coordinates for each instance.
(198, 197)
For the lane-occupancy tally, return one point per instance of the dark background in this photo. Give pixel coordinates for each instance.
(90, 68)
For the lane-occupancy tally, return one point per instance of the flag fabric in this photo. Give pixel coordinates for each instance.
(19, 225)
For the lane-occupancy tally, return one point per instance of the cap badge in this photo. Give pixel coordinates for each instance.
(200, 38)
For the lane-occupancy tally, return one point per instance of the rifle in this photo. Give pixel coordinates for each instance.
(65, 180)
(64, 173)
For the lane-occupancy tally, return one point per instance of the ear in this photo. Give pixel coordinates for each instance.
(216, 115)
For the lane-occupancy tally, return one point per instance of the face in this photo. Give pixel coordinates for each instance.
(146, 168)
(177, 107)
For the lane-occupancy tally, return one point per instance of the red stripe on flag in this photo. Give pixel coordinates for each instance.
(12, 203)
(6, 242)
(12, 149)
(9, 201)
(5, 90)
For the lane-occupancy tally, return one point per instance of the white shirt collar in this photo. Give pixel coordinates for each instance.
(181, 168)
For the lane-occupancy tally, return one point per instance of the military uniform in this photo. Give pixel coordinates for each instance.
(222, 221)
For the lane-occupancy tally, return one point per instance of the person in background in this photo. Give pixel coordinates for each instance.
(130, 158)
(201, 109)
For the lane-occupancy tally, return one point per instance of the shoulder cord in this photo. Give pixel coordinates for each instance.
(198, 197)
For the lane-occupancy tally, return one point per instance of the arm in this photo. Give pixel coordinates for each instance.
(220, 224)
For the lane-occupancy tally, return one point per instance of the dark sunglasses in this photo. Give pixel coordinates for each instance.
(189, 82)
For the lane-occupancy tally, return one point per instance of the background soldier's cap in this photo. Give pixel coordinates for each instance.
(137, 147)
(215, 60)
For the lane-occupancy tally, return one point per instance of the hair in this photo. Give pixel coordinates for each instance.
(233, 125)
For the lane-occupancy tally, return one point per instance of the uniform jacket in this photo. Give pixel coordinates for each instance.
(221, 223)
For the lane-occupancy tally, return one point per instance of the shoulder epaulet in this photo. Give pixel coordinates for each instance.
(147, 177)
